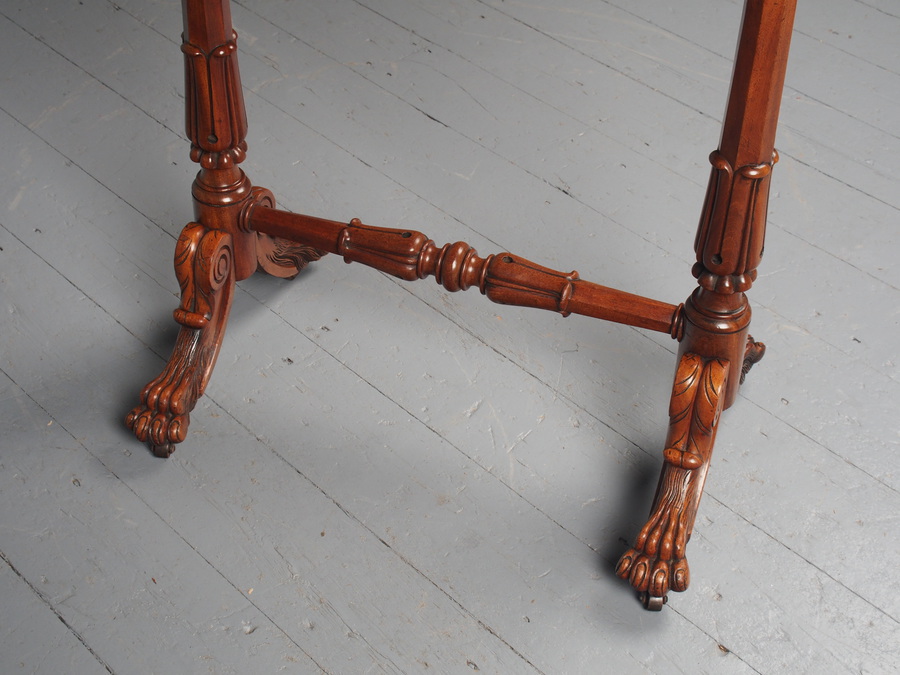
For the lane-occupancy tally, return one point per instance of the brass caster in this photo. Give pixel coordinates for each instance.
(653, 603)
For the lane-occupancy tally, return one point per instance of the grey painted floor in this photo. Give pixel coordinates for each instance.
(384, 477)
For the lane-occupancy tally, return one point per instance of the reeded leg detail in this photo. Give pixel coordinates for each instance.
(205, 270)
(713, 325)
(239, 231)
(657, 563)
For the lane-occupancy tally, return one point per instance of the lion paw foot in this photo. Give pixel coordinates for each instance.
(653, 576)
(205, 270)
(163, 416)
(656, 564)
(161, 430)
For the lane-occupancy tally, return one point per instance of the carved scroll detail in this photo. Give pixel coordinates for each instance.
(731, 233)
(205, 270)
(216, 121)
(657, 563)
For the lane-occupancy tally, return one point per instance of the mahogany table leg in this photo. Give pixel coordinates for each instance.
(237, 230)
(218, 249)
(204, 265)
(716, 350)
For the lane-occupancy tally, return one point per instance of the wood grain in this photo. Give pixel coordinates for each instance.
(535, 441)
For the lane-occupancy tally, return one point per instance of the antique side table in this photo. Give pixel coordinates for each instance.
(237, 230)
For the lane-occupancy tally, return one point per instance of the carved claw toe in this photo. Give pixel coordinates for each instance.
(652, 575)
(155, 429)
(159, 428)
(657, 564)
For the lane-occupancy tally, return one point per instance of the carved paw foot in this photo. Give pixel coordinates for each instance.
(752, 355)
(205, 270)
(657, 563)
(163, 416)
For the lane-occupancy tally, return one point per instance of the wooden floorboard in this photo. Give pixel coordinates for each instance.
(385, 477)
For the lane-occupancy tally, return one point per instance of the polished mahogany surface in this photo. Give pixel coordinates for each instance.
(237, 230)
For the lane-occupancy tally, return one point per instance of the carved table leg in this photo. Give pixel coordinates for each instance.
(716, 350)
(238, 231)
(204, 264)
(657, 562)
(218, 249)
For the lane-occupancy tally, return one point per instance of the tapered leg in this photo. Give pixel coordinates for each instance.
(218, 249)
(716, 350)
(238, 231)
(213, 252)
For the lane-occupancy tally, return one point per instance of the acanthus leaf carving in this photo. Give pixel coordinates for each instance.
(204, 265)
(656, 563)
